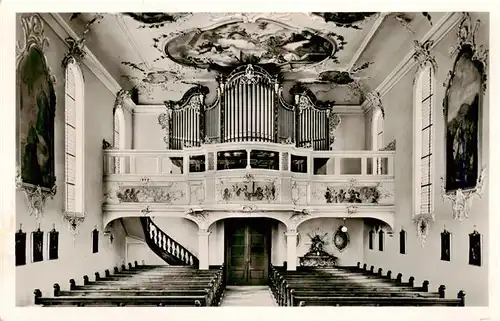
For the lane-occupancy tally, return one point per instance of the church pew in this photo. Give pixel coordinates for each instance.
(214, 285)
(376, 301)
(282, 284)
(199, 300)
(143, 286)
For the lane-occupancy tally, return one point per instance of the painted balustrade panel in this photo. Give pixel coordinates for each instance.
(248, 189)
(172, 193)
(353, 191)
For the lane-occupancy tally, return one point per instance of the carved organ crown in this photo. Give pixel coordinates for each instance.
(249, 107)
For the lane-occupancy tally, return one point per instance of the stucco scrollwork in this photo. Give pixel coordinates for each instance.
(199, 216)
(422, 223)
(466, 35)
(73, 220)
(390, 147)
(334, 121)
(352, 209)
(164, 122)
(461, 200)
(375, 99)
(423, 53)
(36, 196)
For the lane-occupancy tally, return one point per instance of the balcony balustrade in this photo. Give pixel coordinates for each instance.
(246, 176)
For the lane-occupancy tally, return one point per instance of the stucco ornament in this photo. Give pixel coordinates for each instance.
(36, 196)
(423, 223)
(375, 100)
(73, 220)
(461, 200)
(423, 53)
(334, 121)
(199, 216)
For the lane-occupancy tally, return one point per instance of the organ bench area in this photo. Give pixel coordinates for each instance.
(249, 107)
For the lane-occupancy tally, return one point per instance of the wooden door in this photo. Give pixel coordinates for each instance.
(247, 251)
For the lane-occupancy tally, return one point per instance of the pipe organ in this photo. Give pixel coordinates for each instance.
(249, 107)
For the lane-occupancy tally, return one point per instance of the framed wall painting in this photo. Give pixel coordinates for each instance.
(36, 104)
(462, 106)
(20, 247)
(445, 246)
(37, 245)
(475, 248)
(53, 244)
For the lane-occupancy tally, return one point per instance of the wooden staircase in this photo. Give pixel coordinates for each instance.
(166, 247)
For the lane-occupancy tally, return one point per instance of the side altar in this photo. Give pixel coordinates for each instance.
(316, 256)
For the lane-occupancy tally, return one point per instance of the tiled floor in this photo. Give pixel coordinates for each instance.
(238, 296)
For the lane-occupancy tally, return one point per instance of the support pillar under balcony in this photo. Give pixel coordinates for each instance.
(203, 249)
(291, 250)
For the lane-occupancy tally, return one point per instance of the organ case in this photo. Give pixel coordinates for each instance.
(249, 106)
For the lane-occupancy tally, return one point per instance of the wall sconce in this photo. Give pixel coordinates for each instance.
(110, 235)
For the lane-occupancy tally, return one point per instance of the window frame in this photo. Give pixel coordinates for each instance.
(403, 237)
(378, 121)
(418, 105)
(78, 207)
(119, 119)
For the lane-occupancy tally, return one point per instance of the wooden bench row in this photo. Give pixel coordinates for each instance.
(352, 286)
(142, 286)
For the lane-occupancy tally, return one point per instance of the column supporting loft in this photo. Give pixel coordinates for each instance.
(203, 249)
(291, 250)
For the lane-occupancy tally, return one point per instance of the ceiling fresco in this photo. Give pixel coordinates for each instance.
(339, 55)
(157, 19)
(261, 42)
(345, 19)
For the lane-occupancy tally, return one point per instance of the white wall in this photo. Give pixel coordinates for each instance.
(424, 262)
(75, 259)
(352, 254)
(138, 250)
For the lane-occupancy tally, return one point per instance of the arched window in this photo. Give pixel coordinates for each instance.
(423, 141)
(402, 242)
(381, 235)
(378, 138)
(118, 136)
(74, 150)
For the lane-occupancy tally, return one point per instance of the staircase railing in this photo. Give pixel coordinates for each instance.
(166, 247)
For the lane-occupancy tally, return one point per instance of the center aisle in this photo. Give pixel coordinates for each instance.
(238, 296)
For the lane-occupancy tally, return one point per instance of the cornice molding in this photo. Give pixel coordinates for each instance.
(64, 31)
(435, 34)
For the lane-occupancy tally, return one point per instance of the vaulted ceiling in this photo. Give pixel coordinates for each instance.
(164, 54)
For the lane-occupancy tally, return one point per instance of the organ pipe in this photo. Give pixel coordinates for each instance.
(249, 107)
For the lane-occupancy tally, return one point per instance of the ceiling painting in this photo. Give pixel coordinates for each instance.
(157, 19)
(262, 42)
(345, 19)
(163, 54)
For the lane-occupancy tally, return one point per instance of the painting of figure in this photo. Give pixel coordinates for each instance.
(36, 126)
(462, 103)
